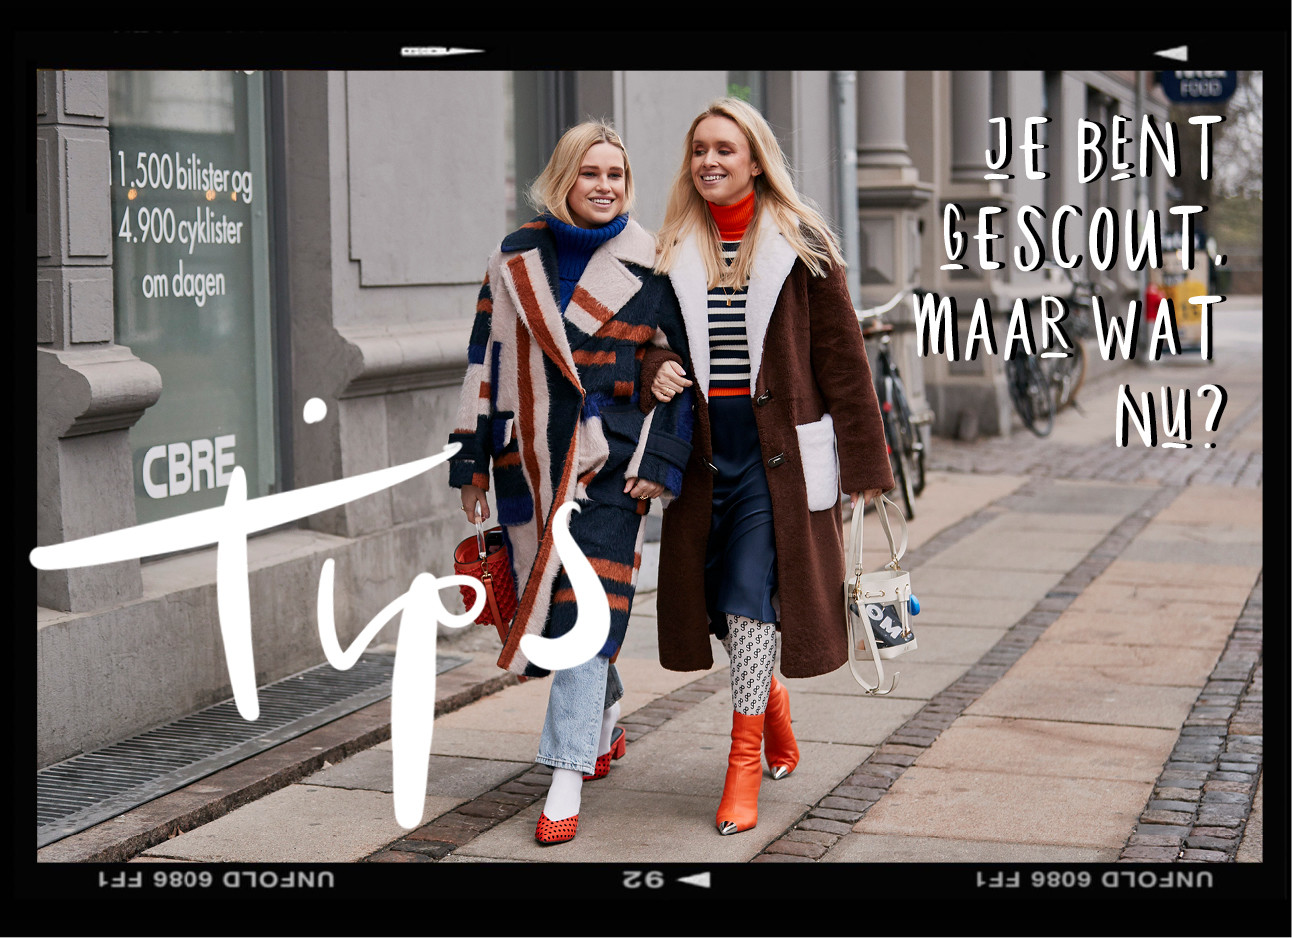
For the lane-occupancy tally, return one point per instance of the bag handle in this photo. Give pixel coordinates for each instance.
(899, 551)
(896, 551)
(487, 582)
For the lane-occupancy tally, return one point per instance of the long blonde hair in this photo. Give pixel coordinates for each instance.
(549, 192)
(797, 219)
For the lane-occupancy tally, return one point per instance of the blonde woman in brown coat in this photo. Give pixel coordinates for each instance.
(786, 418)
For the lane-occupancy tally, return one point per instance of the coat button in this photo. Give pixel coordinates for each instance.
(776, 460)
(762, 399)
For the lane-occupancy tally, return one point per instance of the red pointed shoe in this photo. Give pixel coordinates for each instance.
(778, 737)
(618, 745)
(738, 810)
(556, 832)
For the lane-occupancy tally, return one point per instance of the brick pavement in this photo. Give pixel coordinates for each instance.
(1203, 797)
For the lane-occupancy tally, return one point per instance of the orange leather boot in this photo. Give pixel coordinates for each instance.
(778, 738)
(738, 810)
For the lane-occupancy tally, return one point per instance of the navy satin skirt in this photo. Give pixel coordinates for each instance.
(740, 565)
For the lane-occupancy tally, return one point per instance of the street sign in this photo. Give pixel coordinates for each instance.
(1194, 87)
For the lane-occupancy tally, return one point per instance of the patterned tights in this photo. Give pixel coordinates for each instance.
(752, 647)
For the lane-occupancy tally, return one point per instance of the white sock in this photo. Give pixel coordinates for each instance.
(563, 795)
(608, 718)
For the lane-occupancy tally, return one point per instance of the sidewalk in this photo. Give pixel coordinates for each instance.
(1087, 689)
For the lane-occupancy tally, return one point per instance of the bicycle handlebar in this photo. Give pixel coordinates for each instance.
(873, 311)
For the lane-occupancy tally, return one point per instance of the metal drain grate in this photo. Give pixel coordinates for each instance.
(86, 789)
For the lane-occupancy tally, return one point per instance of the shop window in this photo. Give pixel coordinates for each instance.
(191, 269)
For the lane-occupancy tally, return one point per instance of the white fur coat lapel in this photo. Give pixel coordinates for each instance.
(772, 264)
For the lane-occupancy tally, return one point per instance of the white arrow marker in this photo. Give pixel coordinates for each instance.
(1179, 53)
(436, 50)
(699, 879)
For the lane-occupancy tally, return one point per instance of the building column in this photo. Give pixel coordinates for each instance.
(89, 390)
(881, 120)
(970, 109)
(968, 398)
(890, 199)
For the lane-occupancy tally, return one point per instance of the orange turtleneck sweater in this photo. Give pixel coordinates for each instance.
(733, 219)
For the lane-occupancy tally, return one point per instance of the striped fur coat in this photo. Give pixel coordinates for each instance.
(550, 400)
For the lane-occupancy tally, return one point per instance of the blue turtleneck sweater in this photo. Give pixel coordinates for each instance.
(574, 248)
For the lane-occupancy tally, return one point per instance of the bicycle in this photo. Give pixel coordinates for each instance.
(1031, 391)
(1066, 371)
(1042, 385)
(901, 428)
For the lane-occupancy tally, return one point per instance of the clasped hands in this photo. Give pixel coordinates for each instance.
(670, 380)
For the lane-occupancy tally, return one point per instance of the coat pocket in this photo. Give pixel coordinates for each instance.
(515, 503)
(622, 424)
(820, 461)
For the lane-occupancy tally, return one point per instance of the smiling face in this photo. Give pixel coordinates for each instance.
(722, 163)
(598, 193)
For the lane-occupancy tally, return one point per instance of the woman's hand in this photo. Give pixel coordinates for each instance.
(642, 489)
(473, 500)
(670, 381)
(866, 496)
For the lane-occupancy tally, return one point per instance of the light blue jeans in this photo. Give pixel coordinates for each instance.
(572, 728)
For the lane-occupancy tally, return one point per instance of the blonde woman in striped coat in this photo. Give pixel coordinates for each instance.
(550, 402)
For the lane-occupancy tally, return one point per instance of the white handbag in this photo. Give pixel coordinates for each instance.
(878, 605)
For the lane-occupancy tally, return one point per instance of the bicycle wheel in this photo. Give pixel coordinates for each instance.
(908, 436)
(1041, 399)
(1066, 375)
(901, 466)
(1030, 392)
(1059, 371)
(1078, 369)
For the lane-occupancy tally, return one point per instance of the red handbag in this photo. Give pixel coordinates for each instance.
(485, 557)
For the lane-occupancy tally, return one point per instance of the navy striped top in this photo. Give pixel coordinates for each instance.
(728, 341)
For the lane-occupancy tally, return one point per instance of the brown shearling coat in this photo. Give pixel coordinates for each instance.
(808, 359)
